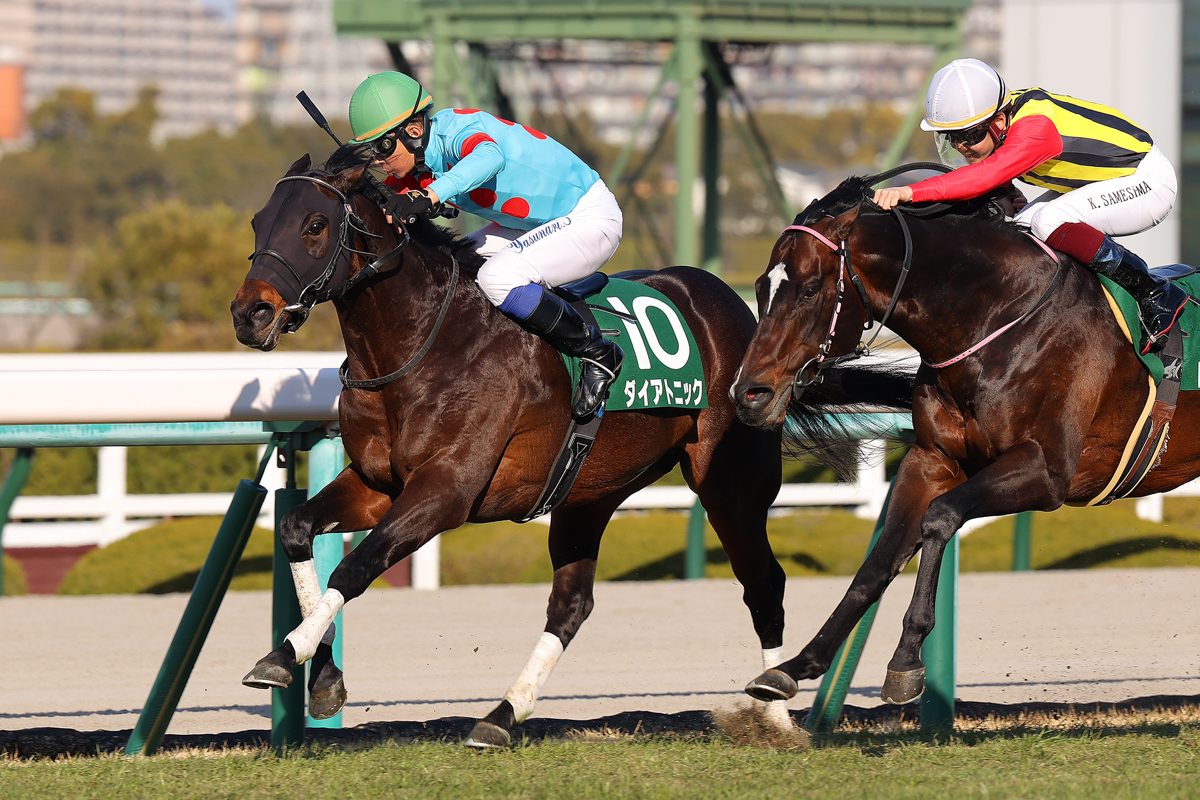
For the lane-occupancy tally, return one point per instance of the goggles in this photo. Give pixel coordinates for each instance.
(969, 137)
(383, 147)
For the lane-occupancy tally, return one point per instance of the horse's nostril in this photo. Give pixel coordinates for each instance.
(262, 314)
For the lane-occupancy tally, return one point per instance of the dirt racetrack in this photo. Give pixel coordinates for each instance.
(661, 648)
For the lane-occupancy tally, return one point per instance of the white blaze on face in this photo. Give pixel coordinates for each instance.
(777, 275)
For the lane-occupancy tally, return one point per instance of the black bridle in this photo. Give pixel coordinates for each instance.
(319, 290)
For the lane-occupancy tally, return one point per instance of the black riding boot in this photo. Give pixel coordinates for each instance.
(1159, 301)
(560, 325)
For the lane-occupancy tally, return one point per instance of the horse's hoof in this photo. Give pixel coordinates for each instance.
(773, 684)
(487, 736)
(903, 687)
(273, 671)
(326, 701)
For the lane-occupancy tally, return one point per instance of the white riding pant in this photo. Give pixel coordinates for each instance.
(563, 250)
(1118, 206)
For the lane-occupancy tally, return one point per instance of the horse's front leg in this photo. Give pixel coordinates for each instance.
(1018, 480)
(574, 544)
(345, 504)
(924, 474)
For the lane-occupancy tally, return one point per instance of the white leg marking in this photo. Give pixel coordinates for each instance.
(308, 592)
(308, 588)
(777, 275)
(305, 638)
(523, 694)
(776, 711)
(772, 658)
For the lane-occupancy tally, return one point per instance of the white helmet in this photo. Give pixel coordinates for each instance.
(963, 93)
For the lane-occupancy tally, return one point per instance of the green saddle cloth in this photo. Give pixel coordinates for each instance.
(662, 367)
(1189, 322)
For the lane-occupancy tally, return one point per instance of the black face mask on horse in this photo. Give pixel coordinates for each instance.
(304, 269)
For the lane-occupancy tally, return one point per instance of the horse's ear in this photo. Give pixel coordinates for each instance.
(348, 178)
(302, 165)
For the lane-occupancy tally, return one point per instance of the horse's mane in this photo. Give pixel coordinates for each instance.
(425, 232)
(858, 189)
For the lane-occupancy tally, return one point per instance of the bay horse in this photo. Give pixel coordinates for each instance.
(469, 432)
(1034, 418)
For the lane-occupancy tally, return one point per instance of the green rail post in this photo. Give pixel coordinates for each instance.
(202, 607)
(696, 556)
(835, 684)
(1022, 544)
(14, 482)
(938, 652)
(287, 705)
(325, 461)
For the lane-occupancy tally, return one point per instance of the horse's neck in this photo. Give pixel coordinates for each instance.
(387, 322)
(950, 292)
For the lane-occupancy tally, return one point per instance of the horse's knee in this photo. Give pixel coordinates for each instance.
(940, 524)
(295, 534)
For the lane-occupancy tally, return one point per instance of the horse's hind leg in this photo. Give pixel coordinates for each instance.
(574, 544)
(345, 504)
(737, 483)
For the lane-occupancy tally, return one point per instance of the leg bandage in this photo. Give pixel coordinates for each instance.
(524, 693)
(308, 592)
(316, 626)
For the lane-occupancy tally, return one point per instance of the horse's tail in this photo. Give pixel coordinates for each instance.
(852, 402)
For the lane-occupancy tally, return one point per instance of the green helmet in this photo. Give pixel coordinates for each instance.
(383, 102)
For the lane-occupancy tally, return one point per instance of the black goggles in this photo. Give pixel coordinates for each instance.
(971, 136)
(383, 147)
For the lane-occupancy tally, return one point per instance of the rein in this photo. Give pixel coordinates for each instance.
(375, 383)
(318, 291)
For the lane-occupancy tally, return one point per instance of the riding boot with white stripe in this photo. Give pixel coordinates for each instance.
(552, 318)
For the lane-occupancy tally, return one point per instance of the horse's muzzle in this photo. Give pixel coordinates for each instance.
(760, 405)
(258, 326)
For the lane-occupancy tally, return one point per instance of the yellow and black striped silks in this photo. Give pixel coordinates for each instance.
(1098, 142)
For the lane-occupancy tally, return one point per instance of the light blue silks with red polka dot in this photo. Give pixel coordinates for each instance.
(510, 174)
(662, 366)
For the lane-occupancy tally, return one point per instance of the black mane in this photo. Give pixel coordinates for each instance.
(859, 189)
(424, 232)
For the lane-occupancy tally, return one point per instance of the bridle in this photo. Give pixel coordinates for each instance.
(319, 290)
(292, 316)
(810, 372)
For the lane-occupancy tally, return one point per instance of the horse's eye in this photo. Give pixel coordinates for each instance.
(315, 227)
(810, 293)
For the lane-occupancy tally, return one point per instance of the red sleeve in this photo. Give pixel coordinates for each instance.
(1031, 141)
(409, 181)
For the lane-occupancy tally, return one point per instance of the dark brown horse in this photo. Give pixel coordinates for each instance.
(1033, 419)
(470, 432)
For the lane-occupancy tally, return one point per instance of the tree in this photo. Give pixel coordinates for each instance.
(165, 279)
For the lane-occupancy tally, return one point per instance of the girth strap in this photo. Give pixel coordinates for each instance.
(573, 452)
(1151, 435)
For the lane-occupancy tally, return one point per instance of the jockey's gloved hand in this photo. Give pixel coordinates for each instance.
(411, 205)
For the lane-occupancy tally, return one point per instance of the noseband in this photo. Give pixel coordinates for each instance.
(318, 290)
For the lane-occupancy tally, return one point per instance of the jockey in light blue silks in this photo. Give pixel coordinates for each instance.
(553, 221)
